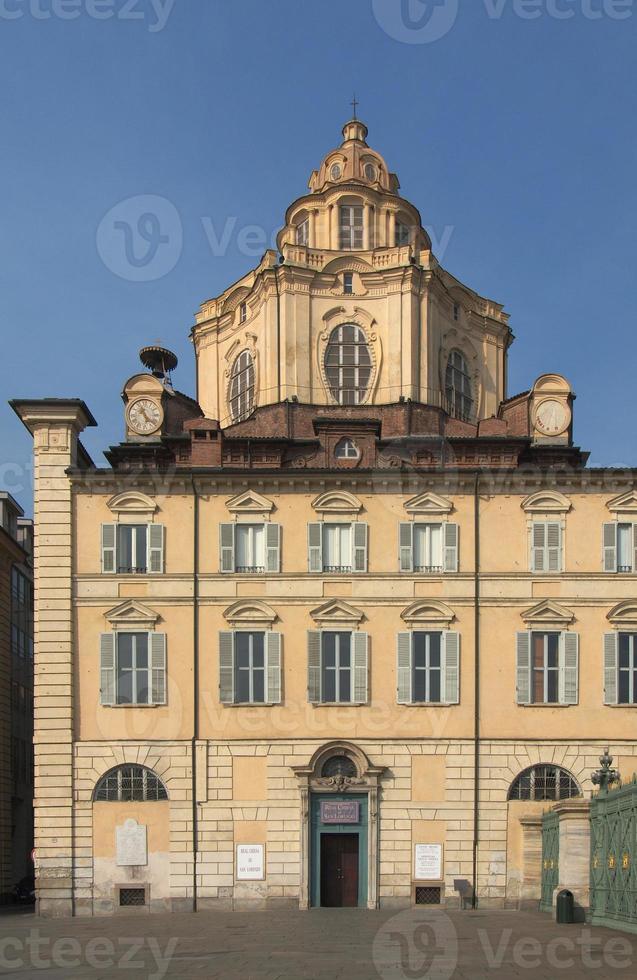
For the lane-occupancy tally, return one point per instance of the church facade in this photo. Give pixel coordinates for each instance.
(336, 631)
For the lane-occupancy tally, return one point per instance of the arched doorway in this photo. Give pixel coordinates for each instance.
(339, 830)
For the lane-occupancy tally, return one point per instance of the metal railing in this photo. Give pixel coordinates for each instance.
(250, 569)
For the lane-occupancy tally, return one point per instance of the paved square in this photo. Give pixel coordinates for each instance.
(418, 944)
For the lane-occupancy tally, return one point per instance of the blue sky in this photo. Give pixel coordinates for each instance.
(513, 133)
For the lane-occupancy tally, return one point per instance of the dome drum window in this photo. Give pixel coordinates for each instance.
(370, 172)
(348, 364)
(458, 387)
(336, 171)
(346, 449)
(128, 784)
(242, 382)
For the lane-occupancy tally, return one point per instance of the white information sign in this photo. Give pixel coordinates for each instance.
(132, 850)
(250, 862)
(428, 862)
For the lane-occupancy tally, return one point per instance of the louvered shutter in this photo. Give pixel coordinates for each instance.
(108, 687)
(273, 547)
(314, 666)
(109, 532)
(538, 547)
(611, 667)
(523, 667)
(157, 643)
(226, 667)
(226, 547)
(634, 548)
(359, 546)
(609, 546)
(315, 547)
(273, 667)
(406, 547)
(360, 660)
(554, 546)
(155, 540)
(404, 668)
(569, 668)
(450, 545)
(451, 667)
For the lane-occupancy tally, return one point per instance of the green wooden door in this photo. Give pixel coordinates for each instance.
(318, 829)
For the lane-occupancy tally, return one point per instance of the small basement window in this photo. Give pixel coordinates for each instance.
(132, 897)
(426, 895)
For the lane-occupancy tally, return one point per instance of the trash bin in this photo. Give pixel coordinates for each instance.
(565, 907)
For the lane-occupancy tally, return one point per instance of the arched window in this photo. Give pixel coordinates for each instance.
(339, 765)
(458, 387)
(370, 171)
(348, 364)
(544, 783)
(242, 387)
(130, 784)
(346, 449)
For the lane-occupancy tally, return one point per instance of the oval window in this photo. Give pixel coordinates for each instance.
(336, 171)
(242, 387)
(348, 364)
(346, 449)
(370, 171)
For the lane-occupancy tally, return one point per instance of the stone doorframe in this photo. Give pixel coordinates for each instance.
(366, 780)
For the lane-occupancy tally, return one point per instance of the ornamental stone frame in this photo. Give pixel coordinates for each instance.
(367, 781)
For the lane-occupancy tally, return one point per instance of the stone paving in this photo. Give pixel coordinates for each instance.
(418, 944)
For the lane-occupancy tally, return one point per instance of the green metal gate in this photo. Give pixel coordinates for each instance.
(550, 859)
(614, 858)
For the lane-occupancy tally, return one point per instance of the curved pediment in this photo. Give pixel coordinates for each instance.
(546, 502)
(554, 383)
(428, 613)
(132, 614)
(549, 615)
(429, 503)
(337, 612)
(250, 612)
(132, 502)
(250, 502)
(625, 504)
(346, 263)
(624, 614)
(337, 502)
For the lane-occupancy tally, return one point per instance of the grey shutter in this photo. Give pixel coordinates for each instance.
(406, 547)
(359, 546)
(273, 547)
(108, 695)
(404, 668)
(273, 667)
(451, 667)
(538, 546)
(450, 546)
(314, 666)
(569, 668)
(611, 667)
(554, 546)
(609, 546)
(157, 643)
(226, 667)
(523, 667)
(155, 539)
(109, 532)
(315, 547)
(226, 547)
(360, 659)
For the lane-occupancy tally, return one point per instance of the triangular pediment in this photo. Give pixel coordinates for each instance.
(337, 612)
(546, 502)
(250, 612)
(429, 503)
(250, 502)
(548, 614)
(625, 504)
(624, 613)
(337, 502)
(132, 502)
(428, 613)
(132, 613)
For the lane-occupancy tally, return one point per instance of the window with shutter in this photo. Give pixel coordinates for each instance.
(404, 668)
(226, 547)
(406, 547)
(158, 667)
(156, 535)
(609, 546)
(546, 546)
(360, 657)
(314, 666)
(523, 667)
(226, 667)
(360, 535)
(451, 667)
(108, 548)
(569, 668)
(450, 532)
(626, 645)
(107, 669)
(273, 547)
(273, 667)
(315, 547)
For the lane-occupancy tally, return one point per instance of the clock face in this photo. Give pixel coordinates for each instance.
(552, 417)
(145, 416)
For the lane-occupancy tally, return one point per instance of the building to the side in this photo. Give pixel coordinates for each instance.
(328, 633)
(16, 695)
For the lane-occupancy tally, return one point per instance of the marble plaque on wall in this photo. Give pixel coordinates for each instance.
(132, 850)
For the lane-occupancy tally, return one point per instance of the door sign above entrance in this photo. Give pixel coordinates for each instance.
(340, 811)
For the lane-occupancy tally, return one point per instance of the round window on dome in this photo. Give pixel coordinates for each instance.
(370, 171)
(336, 171)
